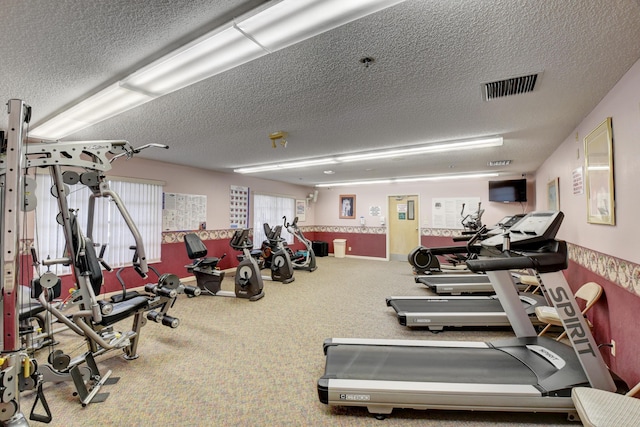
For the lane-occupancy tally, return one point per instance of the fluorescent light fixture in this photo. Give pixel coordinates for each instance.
(411, 150)
(265, 30)
(291, 165)
(429, 148)
(292, 21)
(344, 184)
(411, 179)
(105, 104)
(199, 60)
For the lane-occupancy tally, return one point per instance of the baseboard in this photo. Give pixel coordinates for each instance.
(363, 257)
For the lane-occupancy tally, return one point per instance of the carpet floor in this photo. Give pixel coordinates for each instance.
(232, 362)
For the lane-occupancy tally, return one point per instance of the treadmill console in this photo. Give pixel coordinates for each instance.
(505, 223)
(534, 227)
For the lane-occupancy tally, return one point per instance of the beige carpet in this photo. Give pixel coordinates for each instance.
(235, 362)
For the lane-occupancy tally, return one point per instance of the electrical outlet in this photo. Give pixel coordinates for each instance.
(349, 248)
(613, 348)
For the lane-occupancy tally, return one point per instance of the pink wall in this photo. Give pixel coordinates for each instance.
(367, 196)
(614, 247)
(214, 185)
(361, 244)
(622, 104)
(614, 317)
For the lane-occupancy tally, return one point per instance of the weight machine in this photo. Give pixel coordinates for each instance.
(94, 319)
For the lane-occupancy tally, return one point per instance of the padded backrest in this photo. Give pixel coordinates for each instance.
(590, 292)
(267, 231)
(241, 239)
(91, 265)
(195, 247)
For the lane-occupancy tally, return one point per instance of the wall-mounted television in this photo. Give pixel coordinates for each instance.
(509, 190)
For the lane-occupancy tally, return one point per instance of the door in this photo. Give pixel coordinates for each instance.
(404, 226)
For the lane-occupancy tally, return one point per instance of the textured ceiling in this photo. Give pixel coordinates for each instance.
(431, 58)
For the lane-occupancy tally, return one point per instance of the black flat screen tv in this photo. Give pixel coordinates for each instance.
(510, 190)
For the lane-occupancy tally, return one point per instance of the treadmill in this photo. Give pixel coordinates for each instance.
(425, 260)
(526, 373)
(438, 312)
(461, 284)
(464, 283)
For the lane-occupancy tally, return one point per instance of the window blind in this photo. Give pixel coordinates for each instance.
(270, 210)
(143, 201)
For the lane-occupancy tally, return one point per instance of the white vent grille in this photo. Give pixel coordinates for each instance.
(499, 163)
(507, 87)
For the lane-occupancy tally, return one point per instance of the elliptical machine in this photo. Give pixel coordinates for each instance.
(276, 258)
(301, 260)
(209, 276)
(472, 222)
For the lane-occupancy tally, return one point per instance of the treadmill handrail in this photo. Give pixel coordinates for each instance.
(446, 250)
(543, 262)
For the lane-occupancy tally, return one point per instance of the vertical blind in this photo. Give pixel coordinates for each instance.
(270, 210)
(143, 201)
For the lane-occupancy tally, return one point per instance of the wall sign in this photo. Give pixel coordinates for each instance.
(184, 212)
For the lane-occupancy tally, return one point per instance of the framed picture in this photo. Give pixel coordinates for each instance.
(598, 158)
(301, 210)
(347, 206)
(553, 195)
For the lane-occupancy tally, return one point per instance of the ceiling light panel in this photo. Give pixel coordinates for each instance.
(430, 148)
(195, 62)
(107, 103)
(292, 21)
(411, 179)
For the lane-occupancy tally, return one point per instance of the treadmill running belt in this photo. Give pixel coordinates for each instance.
(451, 305)
(445, 280)
(425, 364)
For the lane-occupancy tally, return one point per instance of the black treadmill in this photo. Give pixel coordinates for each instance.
(458, 284)
(525, 373)
(438, 312)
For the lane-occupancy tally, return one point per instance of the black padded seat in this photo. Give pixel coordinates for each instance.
(124, 309)
(208, 262)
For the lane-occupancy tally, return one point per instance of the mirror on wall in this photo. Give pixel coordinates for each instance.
(598, 155)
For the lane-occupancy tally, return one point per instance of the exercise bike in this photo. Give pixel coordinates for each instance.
(248, 282)
(301, 260)
(275, 256)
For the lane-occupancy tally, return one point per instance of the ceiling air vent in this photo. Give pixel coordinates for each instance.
(513, 86)
(499, 163)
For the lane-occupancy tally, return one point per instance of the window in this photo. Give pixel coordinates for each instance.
(270, 210)
(143, 201)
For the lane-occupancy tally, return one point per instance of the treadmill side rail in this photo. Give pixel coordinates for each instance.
(381, 397)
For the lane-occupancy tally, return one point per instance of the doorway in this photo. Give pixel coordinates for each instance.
(404, 226)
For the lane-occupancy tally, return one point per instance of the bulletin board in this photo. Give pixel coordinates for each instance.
(184, 212)
(445, 212)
